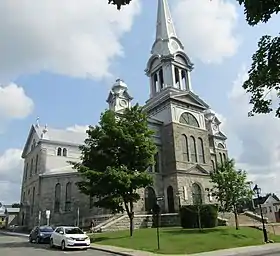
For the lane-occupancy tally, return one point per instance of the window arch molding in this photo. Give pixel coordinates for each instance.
(189, 119)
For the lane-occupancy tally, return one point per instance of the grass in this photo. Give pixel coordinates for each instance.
(183, 241)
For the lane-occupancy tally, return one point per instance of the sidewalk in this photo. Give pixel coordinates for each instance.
(263, 250)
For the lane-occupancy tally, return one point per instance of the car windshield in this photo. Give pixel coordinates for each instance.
(73, 231)
(46, 229)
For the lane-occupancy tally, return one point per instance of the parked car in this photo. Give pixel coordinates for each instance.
(69, 237)
(41, 234)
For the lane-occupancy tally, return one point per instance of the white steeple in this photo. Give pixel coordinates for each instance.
(119, 98)
(166, 39)
(169, 66)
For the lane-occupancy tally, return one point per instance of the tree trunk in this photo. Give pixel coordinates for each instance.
(236, 218)
(131, 222)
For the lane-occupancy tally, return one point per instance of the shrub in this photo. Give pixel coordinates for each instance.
(190, 218)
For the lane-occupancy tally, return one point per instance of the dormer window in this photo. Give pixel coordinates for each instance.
(59, 151)
(64, 152)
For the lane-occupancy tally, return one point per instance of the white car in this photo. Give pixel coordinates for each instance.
(69, 237)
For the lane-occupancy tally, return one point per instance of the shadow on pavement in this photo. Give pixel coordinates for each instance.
(25, 245)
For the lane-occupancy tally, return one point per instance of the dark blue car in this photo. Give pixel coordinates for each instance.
(40, 234)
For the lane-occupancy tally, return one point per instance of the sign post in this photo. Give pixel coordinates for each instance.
(48, 213)
(78, 217)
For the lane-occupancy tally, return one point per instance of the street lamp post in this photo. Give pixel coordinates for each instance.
(156, 211)
(257, 191)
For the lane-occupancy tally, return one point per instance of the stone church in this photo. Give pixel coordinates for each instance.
(187, 135)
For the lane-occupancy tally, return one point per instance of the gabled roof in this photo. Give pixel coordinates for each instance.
(263, 199)
(191, 98)
(197, 167)
(64, 137)
(220, 135)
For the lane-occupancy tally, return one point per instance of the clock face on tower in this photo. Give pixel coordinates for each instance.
(215, 127)
(123, 103)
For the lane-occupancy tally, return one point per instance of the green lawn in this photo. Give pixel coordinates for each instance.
(183, 241)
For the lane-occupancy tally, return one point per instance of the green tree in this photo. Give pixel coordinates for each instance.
(114, 160)
(264, 74)
(230, 187)
(119, 3)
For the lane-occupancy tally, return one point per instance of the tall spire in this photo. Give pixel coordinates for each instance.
(166, 42)
(165, 27)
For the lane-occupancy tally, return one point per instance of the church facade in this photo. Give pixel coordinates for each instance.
(187, 134)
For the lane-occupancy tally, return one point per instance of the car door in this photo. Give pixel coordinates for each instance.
(33, 233)
(55, 236)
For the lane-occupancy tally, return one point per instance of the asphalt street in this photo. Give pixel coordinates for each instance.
(19, 246)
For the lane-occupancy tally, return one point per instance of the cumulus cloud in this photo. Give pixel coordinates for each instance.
(11, 166)
(14, 104)
(74, 38)
(207, 28)
(258, 137)
(77, 128)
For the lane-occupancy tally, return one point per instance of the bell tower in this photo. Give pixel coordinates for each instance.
(168, 66)
(119, 98)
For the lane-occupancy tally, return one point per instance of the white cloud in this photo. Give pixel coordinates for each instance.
(11, 167)
(258, 137)
(78, 128)
(75, 38)
(207, 28)
(14, 104)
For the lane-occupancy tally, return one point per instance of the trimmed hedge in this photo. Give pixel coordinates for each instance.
(190, 217)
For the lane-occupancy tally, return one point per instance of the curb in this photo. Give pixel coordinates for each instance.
(110, 251)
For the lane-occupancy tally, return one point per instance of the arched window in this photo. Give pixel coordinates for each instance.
(150, 199)
(193, 149)
(36, 164)
(213, 164)
(57, 196)
(33, 200)
(59, 151)
(64, 152)
(200, 151)
(221, 158)
(157, 162)
(156, 85)
(185, 148)
(68, 197)
(220, 145)
(31, 168)
(26, 171)
(170, 199)
(184, 80)
(189, 119)
(161, 81)
(177, 78)
(196, 194)
(224, 157)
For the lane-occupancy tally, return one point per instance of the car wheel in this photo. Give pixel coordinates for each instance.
(63, 246)
(38, 240)
(51, 243)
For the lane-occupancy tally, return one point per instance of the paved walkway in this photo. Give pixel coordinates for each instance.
(265, 249)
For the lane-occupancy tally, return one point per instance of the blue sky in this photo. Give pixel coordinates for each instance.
(63, 98)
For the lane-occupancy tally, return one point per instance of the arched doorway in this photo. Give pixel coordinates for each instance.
(150, 199)
(170, 199)
(196, 194)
